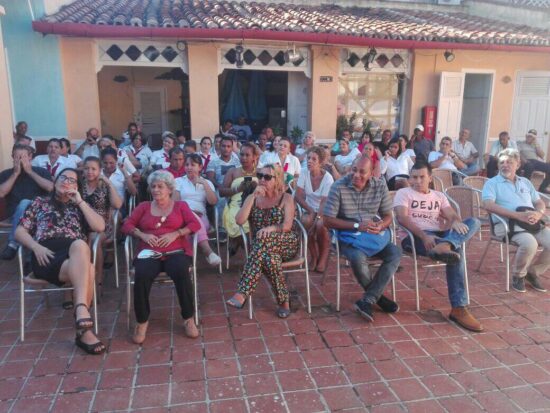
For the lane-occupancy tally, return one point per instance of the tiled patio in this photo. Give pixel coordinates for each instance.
(416, 362)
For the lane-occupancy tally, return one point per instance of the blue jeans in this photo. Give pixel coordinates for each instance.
(375, 285)
(455, 272)
(471, 169)
(17, 214)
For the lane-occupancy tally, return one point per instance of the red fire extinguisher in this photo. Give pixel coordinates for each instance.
(429, 114)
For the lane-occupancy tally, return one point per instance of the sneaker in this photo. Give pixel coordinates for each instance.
(387, 305)
(213, 259)
(535, 282)
(190, 329)
(364, 309)
(8, 253)
(465, 319)
(518, 284)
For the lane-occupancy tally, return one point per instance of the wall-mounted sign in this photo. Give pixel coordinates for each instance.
(325, 78)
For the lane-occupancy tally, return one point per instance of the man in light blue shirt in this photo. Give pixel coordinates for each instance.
(502, 195)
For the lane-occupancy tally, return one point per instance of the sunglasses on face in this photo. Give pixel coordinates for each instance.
(261, 176)
(64, 178)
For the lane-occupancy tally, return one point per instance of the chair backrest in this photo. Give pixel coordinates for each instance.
(464, 200)
(475, 182)
(444, 177)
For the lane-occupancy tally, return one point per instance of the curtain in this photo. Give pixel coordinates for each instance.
(256, 96)
(233, 101)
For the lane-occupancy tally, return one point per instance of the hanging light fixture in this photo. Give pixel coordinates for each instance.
(369, 58)
(239, 62)
(449, 56)
(292, 56)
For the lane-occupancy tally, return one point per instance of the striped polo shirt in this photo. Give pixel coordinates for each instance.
(346, 202)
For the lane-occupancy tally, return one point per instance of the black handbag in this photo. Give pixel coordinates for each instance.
(531, 228)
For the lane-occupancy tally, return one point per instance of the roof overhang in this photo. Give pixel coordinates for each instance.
(103, 31)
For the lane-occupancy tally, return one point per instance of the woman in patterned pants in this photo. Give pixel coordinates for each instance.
(270, 212)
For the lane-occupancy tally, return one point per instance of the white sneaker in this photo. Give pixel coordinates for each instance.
(213, 259)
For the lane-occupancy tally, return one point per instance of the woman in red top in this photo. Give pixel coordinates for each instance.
(162, 225)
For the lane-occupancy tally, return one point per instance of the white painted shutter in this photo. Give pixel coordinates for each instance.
(449, 108)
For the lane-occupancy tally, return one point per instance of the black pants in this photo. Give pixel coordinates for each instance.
(177, 268)
(533, 165)
(492, 167)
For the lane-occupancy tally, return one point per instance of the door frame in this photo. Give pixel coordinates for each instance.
(163, 104)
(492, 72)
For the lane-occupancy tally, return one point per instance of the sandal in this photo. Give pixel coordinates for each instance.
(139, 337)
(233, 302)
(67, 305)
(83, 323)
(93, 349)
(284, 312)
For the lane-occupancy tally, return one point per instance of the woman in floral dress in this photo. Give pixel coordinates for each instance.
(270, 212)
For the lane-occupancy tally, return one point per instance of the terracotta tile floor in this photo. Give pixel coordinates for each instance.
(326, 361)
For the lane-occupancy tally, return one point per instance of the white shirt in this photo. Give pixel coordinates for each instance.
(313, 198)
(194, 195)
(399, 166)
(220, 167)
(119, 182)
(122, 158)
(72, 161)
(43, 161)
(410, 153)
(496, 147)
(464, 152)
(160, 158)
(446, 164)
(291, 165)
(143, 156)
(90, 150)
(346, 160)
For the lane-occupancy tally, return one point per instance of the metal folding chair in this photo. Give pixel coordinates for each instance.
(298, 264)
(29, 284)
(162, 278)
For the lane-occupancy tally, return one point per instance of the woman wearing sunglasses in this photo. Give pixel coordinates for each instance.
(270, 212)
(55, 229)
(162, 225)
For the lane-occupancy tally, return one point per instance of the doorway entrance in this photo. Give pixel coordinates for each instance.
(465, 102)
(260, 95)
(476, 107)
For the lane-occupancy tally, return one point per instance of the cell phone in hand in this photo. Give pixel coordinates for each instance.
(248, 179)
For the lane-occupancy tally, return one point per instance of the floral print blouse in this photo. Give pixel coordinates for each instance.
(43, 221)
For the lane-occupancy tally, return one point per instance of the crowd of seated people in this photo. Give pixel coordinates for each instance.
(58, 203)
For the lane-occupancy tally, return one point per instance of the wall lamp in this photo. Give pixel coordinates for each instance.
(369, 58)
(292, 56)
(449, 56)
(239, 57)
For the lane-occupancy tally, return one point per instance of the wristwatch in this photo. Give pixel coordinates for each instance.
(356, 225)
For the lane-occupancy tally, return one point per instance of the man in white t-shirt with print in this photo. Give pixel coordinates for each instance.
(422, 211)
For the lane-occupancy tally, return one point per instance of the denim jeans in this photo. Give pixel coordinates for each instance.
(455, 272)
(375, 285)
(18, 213)
(471, 169)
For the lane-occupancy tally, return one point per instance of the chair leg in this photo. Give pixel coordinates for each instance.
(466, 284)
(393, 292)
(484, 254)
(115, 253)
(338, 276)
(94, 300)
(501, 254)
(250, 310)
(507, 267)
(21, 299)
(416, 287)
(195, 288)
(307, 284)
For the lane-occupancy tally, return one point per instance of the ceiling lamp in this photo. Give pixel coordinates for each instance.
(239, 62)
(292, 56)
(369, 58)
(449, 56)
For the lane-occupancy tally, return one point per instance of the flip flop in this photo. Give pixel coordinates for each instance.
(233, 302)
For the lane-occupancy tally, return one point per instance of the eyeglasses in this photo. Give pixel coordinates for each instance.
(267, 177)
(162, 221)
(64, 178)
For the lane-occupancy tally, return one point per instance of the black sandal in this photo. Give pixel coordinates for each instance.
(94, 349)
(83, 323)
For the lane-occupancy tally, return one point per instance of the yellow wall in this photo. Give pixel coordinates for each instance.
(80, 85)
(428, 64)
(6, 116)
(117, 99)
(323, 98)
(203, 89)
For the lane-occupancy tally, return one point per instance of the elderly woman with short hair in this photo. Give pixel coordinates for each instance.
(162, 225)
